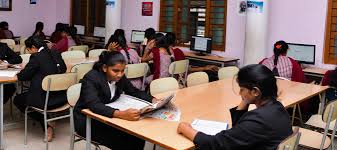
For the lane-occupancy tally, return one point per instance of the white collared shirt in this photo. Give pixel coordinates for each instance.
(112, 87)
(40, 49)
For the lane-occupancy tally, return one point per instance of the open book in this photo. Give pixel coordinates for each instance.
(125, 102)
(209, 127)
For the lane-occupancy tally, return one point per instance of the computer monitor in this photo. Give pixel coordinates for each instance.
(99, 31)
(201, 44)
(137, 36)
(303, 53)
(80, 29)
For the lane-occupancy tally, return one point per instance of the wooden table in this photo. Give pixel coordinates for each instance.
(212, 59)
(72, 62)
(210, 101)
(314, 71)
(3, 81)
(6, 80)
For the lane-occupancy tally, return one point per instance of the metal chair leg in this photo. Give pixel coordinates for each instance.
(26, 116)
(72, 130)
(45, 129)
(154, 146)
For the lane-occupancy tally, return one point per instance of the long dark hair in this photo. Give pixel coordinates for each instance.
(149, 33)
(259, 76)
(38, 27)
(280, 47)
(109, 58)
(37, 42)
(333, 78)
(119, 38)
(171, 38)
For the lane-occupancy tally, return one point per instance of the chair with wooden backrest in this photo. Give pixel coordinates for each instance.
(25, 58)
(23, 50)
(83, 48)
(197, 78)
(179, 68)
(316, 140)
(50, 83)
(73, 55)
(73, 94)
(227, 72)
(22, 41)
(10, 43)
(163, 85)
(81, 70)
(137, 71)
(95, 52)
(291, 142)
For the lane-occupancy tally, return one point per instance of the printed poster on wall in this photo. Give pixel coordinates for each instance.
(110, 3)
(254, 6)
(147, 8)
(241, 7)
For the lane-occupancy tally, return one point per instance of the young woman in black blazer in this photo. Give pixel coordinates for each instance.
(261, 129)
(8, 57)
(42, 62)
(102, 85)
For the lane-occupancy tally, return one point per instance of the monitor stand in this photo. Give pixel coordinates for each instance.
(200, 54)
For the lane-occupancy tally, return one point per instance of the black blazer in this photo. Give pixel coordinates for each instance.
(9, 55)
(95, 93)
(40, 65)
(260, 129)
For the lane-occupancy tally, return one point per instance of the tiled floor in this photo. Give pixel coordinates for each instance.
(14, 135)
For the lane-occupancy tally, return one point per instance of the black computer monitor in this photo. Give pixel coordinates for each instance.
(137, 36)
(303, 53)
(203, 45)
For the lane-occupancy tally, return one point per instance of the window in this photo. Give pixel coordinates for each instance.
(88, 13)
(195, 17)
(330, 46)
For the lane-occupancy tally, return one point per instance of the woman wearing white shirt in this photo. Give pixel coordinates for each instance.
(102, 85)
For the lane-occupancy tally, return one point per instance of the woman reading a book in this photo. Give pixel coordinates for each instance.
(102, 85)
(262, 128)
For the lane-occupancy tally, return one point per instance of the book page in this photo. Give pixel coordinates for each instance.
(125, 102)
(209, 127)
(8, 73)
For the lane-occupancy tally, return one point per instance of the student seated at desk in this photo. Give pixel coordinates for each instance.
(5, 33)
(284, 66)
(330, 79)
(158, 51)
(66, 41)
(8, 57)
(56, 35)
(178, 54)
(42, 62)
(39, 31)
(260, 129)
(117, 42)
(102, 85)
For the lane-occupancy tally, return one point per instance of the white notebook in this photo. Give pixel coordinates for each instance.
(8, 73)
(209, 127)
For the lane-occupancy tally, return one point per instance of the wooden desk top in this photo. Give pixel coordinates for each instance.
(315, 70)
(210, 57)
(208, 101)
(71, 62)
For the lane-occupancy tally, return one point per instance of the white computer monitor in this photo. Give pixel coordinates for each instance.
(201, 44)
(80, 29)
(137, 36)
(303, 53)
(99, 31)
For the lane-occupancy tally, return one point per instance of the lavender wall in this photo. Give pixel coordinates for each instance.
(299, 21)
(132, 19)
(23, 16)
